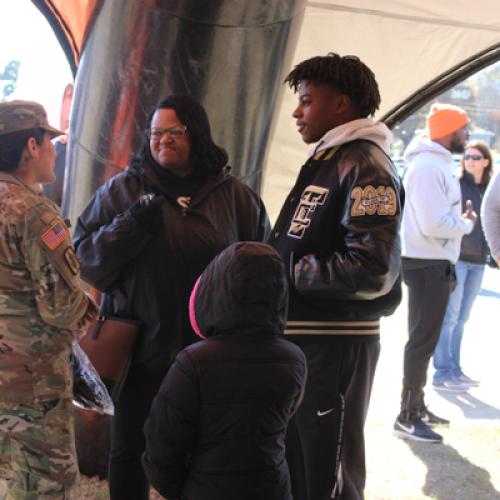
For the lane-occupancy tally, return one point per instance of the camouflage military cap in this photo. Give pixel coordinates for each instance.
(24, 115)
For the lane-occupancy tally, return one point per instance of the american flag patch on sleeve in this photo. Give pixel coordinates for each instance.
(54, 236)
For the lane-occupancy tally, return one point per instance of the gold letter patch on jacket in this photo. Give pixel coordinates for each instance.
(312, 196)
(373, 201)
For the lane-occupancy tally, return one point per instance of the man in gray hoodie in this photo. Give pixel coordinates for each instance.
(432, 229)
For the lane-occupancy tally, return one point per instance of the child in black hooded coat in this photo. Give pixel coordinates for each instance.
(217, 426)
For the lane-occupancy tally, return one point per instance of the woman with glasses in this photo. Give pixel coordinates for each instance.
(476, 169)
(143, 239)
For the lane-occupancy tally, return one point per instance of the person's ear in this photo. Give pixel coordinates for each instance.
(31, 149)
(342, 104)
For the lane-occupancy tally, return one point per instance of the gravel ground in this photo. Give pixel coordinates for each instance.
(91, 488)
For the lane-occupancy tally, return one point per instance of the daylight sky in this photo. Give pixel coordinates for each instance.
(26, 36)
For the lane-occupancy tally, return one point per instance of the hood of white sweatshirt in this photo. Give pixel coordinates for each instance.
(364, 128)
(422, 144)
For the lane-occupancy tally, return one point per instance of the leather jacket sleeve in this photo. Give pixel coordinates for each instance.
(251, 215)
(366, 263)
(107, 237)
(264, 228)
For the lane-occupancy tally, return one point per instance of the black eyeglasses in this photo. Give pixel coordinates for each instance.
(155, 134)
(473, 157)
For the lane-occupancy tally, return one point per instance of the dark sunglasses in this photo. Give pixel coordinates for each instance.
(473, 157)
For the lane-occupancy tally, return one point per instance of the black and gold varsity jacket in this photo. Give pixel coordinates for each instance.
(338, 233)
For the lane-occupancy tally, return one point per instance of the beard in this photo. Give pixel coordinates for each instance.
(457, 145)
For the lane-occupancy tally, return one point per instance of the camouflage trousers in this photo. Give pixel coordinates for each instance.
(37, 450)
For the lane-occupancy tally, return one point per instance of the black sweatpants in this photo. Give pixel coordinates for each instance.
(126, 477)
(327, 432)
(429, 287)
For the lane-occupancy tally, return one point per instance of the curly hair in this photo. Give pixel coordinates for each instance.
(207, 157)
(346, 74)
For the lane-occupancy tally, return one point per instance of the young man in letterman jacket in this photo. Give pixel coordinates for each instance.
(338, 231)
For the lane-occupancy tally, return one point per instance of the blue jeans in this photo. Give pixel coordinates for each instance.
(447, 352)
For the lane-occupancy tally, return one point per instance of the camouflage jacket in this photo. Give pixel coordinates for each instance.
(41, 299)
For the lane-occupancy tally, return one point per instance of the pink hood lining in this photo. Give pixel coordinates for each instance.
(192, 312)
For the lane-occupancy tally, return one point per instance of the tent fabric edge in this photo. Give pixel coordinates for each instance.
(61, 31)
(441, 83)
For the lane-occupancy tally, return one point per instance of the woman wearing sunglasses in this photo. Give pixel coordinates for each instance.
(476, 170)
(143, 239)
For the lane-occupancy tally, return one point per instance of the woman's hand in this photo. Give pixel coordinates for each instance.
(147, 211)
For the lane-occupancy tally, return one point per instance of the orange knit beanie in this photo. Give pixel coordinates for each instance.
(444, 119)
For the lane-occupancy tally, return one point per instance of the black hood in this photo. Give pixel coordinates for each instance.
(243, 290)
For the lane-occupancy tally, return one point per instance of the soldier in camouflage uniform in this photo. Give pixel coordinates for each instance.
(42, 308)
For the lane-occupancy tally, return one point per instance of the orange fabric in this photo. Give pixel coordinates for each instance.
(123, 128)
(73, 18)
(444, 119)
(66, 107)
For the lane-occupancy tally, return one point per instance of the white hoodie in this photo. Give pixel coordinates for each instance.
(364, 128)
(432, 225)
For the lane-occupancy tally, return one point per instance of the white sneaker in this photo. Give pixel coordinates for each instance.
(467, 380)
(451, 386)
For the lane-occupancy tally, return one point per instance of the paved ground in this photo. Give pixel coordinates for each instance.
(467, 464)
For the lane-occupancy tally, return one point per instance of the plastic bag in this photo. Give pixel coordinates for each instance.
(89, 391)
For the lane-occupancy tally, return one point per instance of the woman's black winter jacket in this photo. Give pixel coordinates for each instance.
(474, 247)
(151, 270)
(217, 427)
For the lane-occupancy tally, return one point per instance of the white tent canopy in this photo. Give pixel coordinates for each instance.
(407, 43)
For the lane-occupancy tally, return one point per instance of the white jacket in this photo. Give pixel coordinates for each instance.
(490, 216)
(432, 225)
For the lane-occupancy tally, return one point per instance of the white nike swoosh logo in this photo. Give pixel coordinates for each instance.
(323, 413)
(409, 429)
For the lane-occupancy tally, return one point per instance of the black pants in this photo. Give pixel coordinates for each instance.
(127, 480)
(325, 439)
(429, 288)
